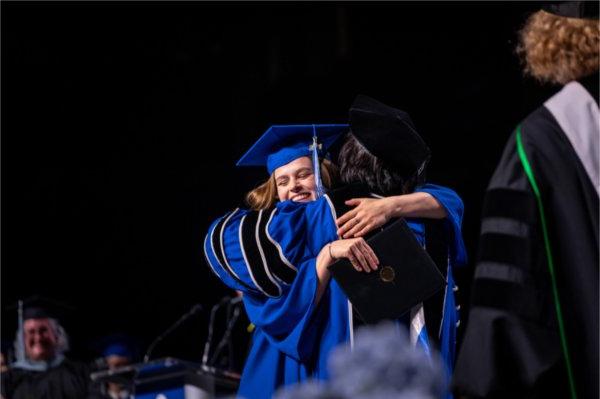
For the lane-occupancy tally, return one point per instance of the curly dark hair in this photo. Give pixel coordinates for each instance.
(358, 165)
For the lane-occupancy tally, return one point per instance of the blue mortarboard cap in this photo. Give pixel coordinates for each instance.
(117, 344)
(281, 144)
(118, 348)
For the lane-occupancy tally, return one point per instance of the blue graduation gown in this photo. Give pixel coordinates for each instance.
(270, 255)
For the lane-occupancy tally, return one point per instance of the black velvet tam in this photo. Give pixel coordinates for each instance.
(389, 134)
(573, 9)
(39, 307)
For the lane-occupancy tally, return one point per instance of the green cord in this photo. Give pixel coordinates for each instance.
(561, 326)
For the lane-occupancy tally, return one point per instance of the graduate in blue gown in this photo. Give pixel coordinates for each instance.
(276, 255)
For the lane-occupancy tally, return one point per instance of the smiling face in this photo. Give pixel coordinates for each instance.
(40, 339)
(296, 181)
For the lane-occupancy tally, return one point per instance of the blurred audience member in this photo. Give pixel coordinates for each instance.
(41, 369)
(370, 370)
(118, 351)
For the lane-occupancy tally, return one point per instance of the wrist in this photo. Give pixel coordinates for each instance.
(395, 208)
(323, 262)
(330, 253)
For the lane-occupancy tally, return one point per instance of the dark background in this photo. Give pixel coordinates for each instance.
(122, 122)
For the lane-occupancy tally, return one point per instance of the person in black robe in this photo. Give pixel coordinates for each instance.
(41, 370)
(533, 324)
(69, 379)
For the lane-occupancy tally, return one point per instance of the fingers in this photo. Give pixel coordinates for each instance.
(359, 253)
(361, 229)
(364, 231)
(353, 201)
(344, 250)
(354, 226)
(350, 214)
(345, 218)
(370, 255)
(360, 258)
(355, 262)
(348, 227)
(365, 256)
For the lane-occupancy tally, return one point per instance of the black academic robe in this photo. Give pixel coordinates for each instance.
(68, 380)
(512, 346)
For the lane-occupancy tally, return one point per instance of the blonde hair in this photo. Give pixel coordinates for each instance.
(265, 195)
(558, 49)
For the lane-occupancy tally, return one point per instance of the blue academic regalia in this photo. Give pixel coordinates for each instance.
(270, 255)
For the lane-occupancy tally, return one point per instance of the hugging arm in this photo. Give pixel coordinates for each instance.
(356, 250)
(267, 256)
(429, 201)
(263, 255)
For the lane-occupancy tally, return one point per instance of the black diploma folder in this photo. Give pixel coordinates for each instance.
(406, 275)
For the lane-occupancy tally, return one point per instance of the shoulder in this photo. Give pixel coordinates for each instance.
(536, 134)
(571, 115)
(538, 127)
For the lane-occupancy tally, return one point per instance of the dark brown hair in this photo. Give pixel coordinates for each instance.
(358, 165)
